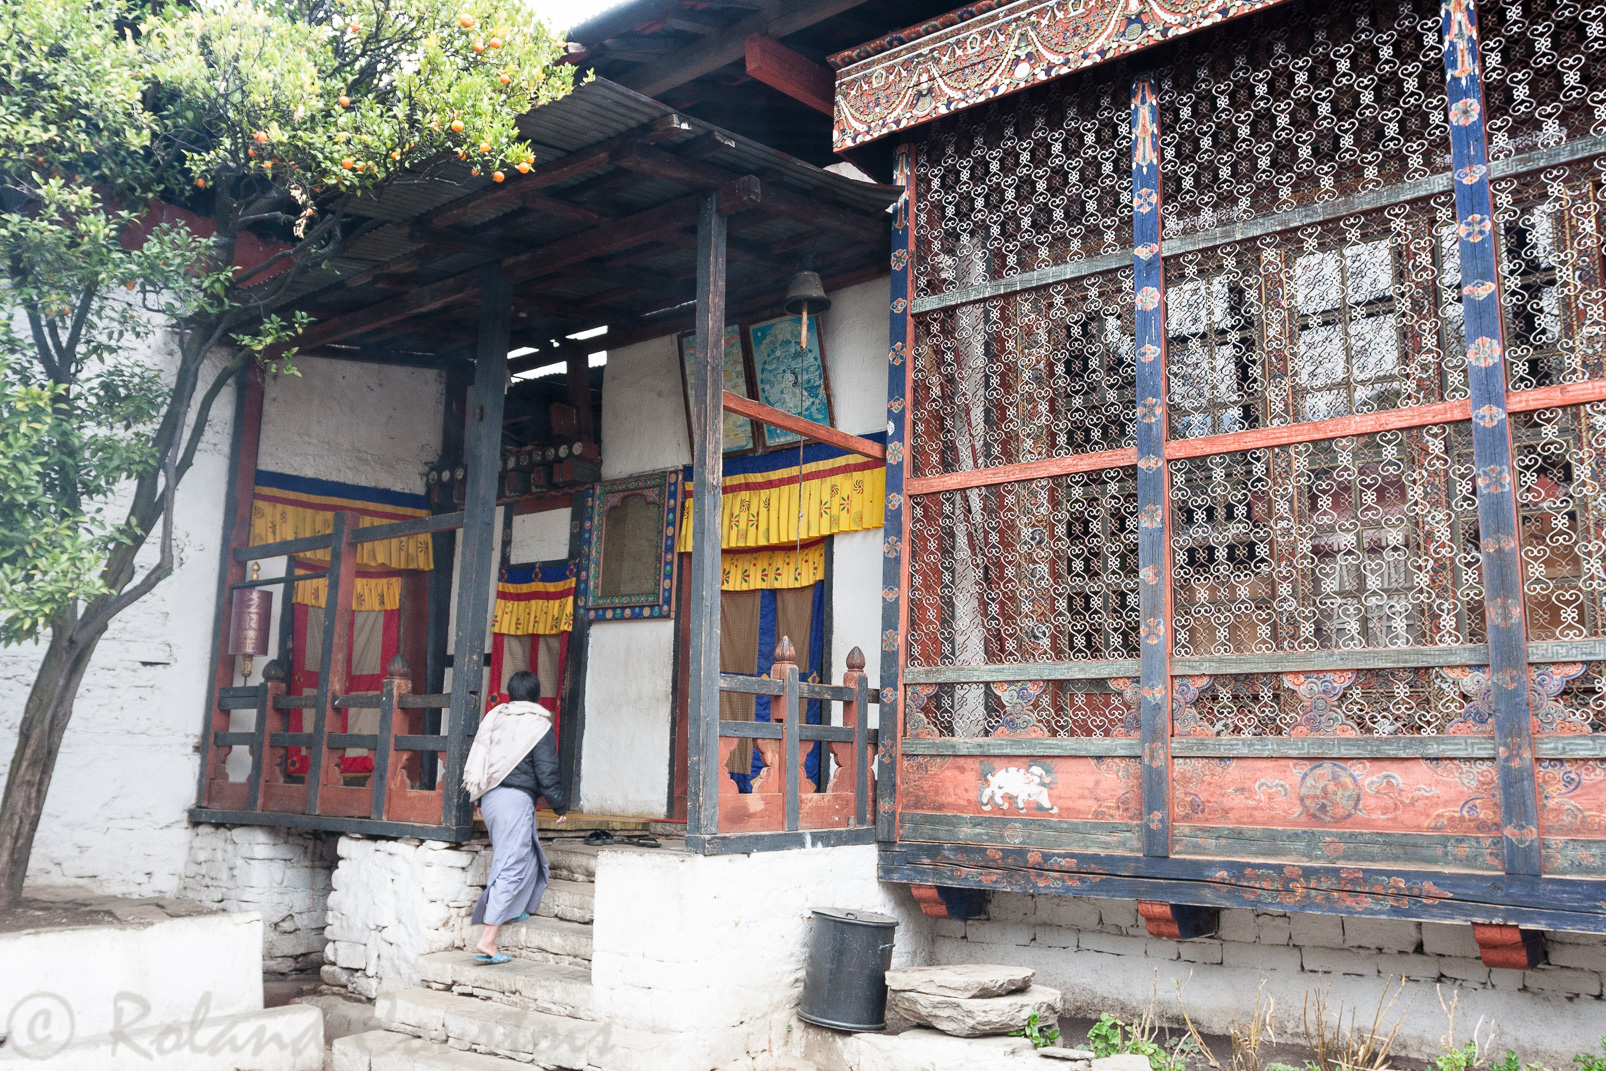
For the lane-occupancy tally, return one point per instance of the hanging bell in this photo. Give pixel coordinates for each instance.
(806, 294)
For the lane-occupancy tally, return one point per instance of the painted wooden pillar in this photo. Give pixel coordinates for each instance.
(334, 657)
(895, 530)
(1491, 439)
(708, 452)
(236, 534)
(1154, 570)
(477, 568)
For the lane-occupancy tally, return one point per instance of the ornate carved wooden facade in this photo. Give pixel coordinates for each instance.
(1247, 457)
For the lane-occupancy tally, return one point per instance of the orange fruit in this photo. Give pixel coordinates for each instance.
(252, 153)
(129, 285)
(261, 137)
(474, 171)
(201, 182)
(524, 167)
(479, 46)
(347, 163)
(465, 20)
(497, 176)
(485, 146)
(506, 79)
(457, 126)
(345, 101)
(495, 42)
(395, 154)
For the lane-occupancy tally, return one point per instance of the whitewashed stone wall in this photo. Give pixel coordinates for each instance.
(283, 875)
(1099, 953)
(114, 820)
(711, 949)
(393, 901)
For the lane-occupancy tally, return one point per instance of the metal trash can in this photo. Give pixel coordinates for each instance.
(845, 985)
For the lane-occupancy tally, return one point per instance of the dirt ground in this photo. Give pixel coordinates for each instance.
(66, 908)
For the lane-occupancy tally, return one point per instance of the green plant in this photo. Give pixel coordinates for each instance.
(258, 130)
(1588, 1061)
(1040, 1037)
(1457, 1059)
(1111, 1036)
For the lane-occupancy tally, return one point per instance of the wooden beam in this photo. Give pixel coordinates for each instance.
(735, 403)
(556, 206)
(460, 242)
(794, 74)
(708, 450)
(728, 46)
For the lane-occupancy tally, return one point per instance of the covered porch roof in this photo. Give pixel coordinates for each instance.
(603, 231)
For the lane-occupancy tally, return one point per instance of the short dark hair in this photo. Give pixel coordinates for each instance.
(524, 687)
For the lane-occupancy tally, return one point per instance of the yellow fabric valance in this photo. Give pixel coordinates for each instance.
(530, 604)
(367, 593)
(772, 568)
(290, 507)
(760, 509)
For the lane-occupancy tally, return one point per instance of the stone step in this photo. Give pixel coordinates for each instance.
(551, 940)
(394, 1050)
(571, 860)
(497, 1030)
(382, 1050)
(554, 988)
(574, 901)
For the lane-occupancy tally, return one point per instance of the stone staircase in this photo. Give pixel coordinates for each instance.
(538, 1009)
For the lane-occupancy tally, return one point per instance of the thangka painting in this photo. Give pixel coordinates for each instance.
(790, 377)
(740, 435)
(627, 569)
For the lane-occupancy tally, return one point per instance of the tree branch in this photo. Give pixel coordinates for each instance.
(101, 616)
(204, 411)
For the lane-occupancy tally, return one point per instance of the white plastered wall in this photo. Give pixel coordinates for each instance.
(630, 666)
(115, 817)
(541, 537)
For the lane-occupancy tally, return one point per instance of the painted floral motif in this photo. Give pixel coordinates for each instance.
(1478, 290)
(1017, 698)
(1475, 228)
(1483, 352)
(1465, 112)
(1147, 299)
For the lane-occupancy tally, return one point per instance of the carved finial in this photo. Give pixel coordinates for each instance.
(784, 651)
(398, 668)
(856, 660)
(273, 671)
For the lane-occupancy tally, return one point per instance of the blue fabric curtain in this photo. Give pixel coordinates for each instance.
(767, 639)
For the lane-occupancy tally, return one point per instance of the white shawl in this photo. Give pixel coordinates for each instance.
(504, 737)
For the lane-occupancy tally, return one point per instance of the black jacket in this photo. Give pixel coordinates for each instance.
(537, 774)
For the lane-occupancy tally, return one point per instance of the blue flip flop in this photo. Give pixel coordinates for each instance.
(522, 918)
(484, 960)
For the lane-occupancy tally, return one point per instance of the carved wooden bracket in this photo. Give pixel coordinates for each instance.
(1181, 922)
(942, 902)
(1509, 947)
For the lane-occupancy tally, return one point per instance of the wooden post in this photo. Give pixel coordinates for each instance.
(708, 451)
(236, 534)
(334, 649)
(571, 725)
(477, 573)
(398, 682)
(785, 671)
(1491, 440)
(1154, 528)
(578, 381)
(453, 424)
(894, 561)
(857, 714)
(264, 766)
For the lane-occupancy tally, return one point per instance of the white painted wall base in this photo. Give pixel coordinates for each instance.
(393, 901)
(624, 754)
(283, 875)
(711, 949)
(1099, 954)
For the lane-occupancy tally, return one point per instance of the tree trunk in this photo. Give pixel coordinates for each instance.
(44, 723)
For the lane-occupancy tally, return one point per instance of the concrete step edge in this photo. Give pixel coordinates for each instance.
(554, 988)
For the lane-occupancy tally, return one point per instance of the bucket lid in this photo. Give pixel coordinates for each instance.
(855, 917)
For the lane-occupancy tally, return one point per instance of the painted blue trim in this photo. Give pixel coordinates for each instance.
(306, 485)
(1148, 297)
(1491, 439)
(546, 574)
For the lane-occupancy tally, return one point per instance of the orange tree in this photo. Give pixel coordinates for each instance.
(274, 119)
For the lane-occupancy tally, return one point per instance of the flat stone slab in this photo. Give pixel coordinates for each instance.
(970, 1017)
(961, 980)
(1125, 1061)
(1072, 1056)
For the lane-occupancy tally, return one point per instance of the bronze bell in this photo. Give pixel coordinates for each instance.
(806, 294)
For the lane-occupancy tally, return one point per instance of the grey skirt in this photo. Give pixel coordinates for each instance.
(518, 865)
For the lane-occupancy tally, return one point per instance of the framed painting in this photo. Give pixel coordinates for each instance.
(740, 435)
(790, 376)
(627, 564)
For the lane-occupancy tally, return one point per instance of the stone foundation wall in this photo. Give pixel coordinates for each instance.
(283, 875)
(393, 901)
(1099, 953)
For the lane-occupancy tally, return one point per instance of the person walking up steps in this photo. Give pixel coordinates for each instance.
(513, 760)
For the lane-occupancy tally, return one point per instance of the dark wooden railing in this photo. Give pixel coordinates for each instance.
(784, 808)
(409, 791)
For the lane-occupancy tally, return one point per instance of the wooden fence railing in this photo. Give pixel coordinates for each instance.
(785, 809)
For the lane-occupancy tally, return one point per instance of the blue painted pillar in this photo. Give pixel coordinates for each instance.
(1491, 439)
(1154, 559)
